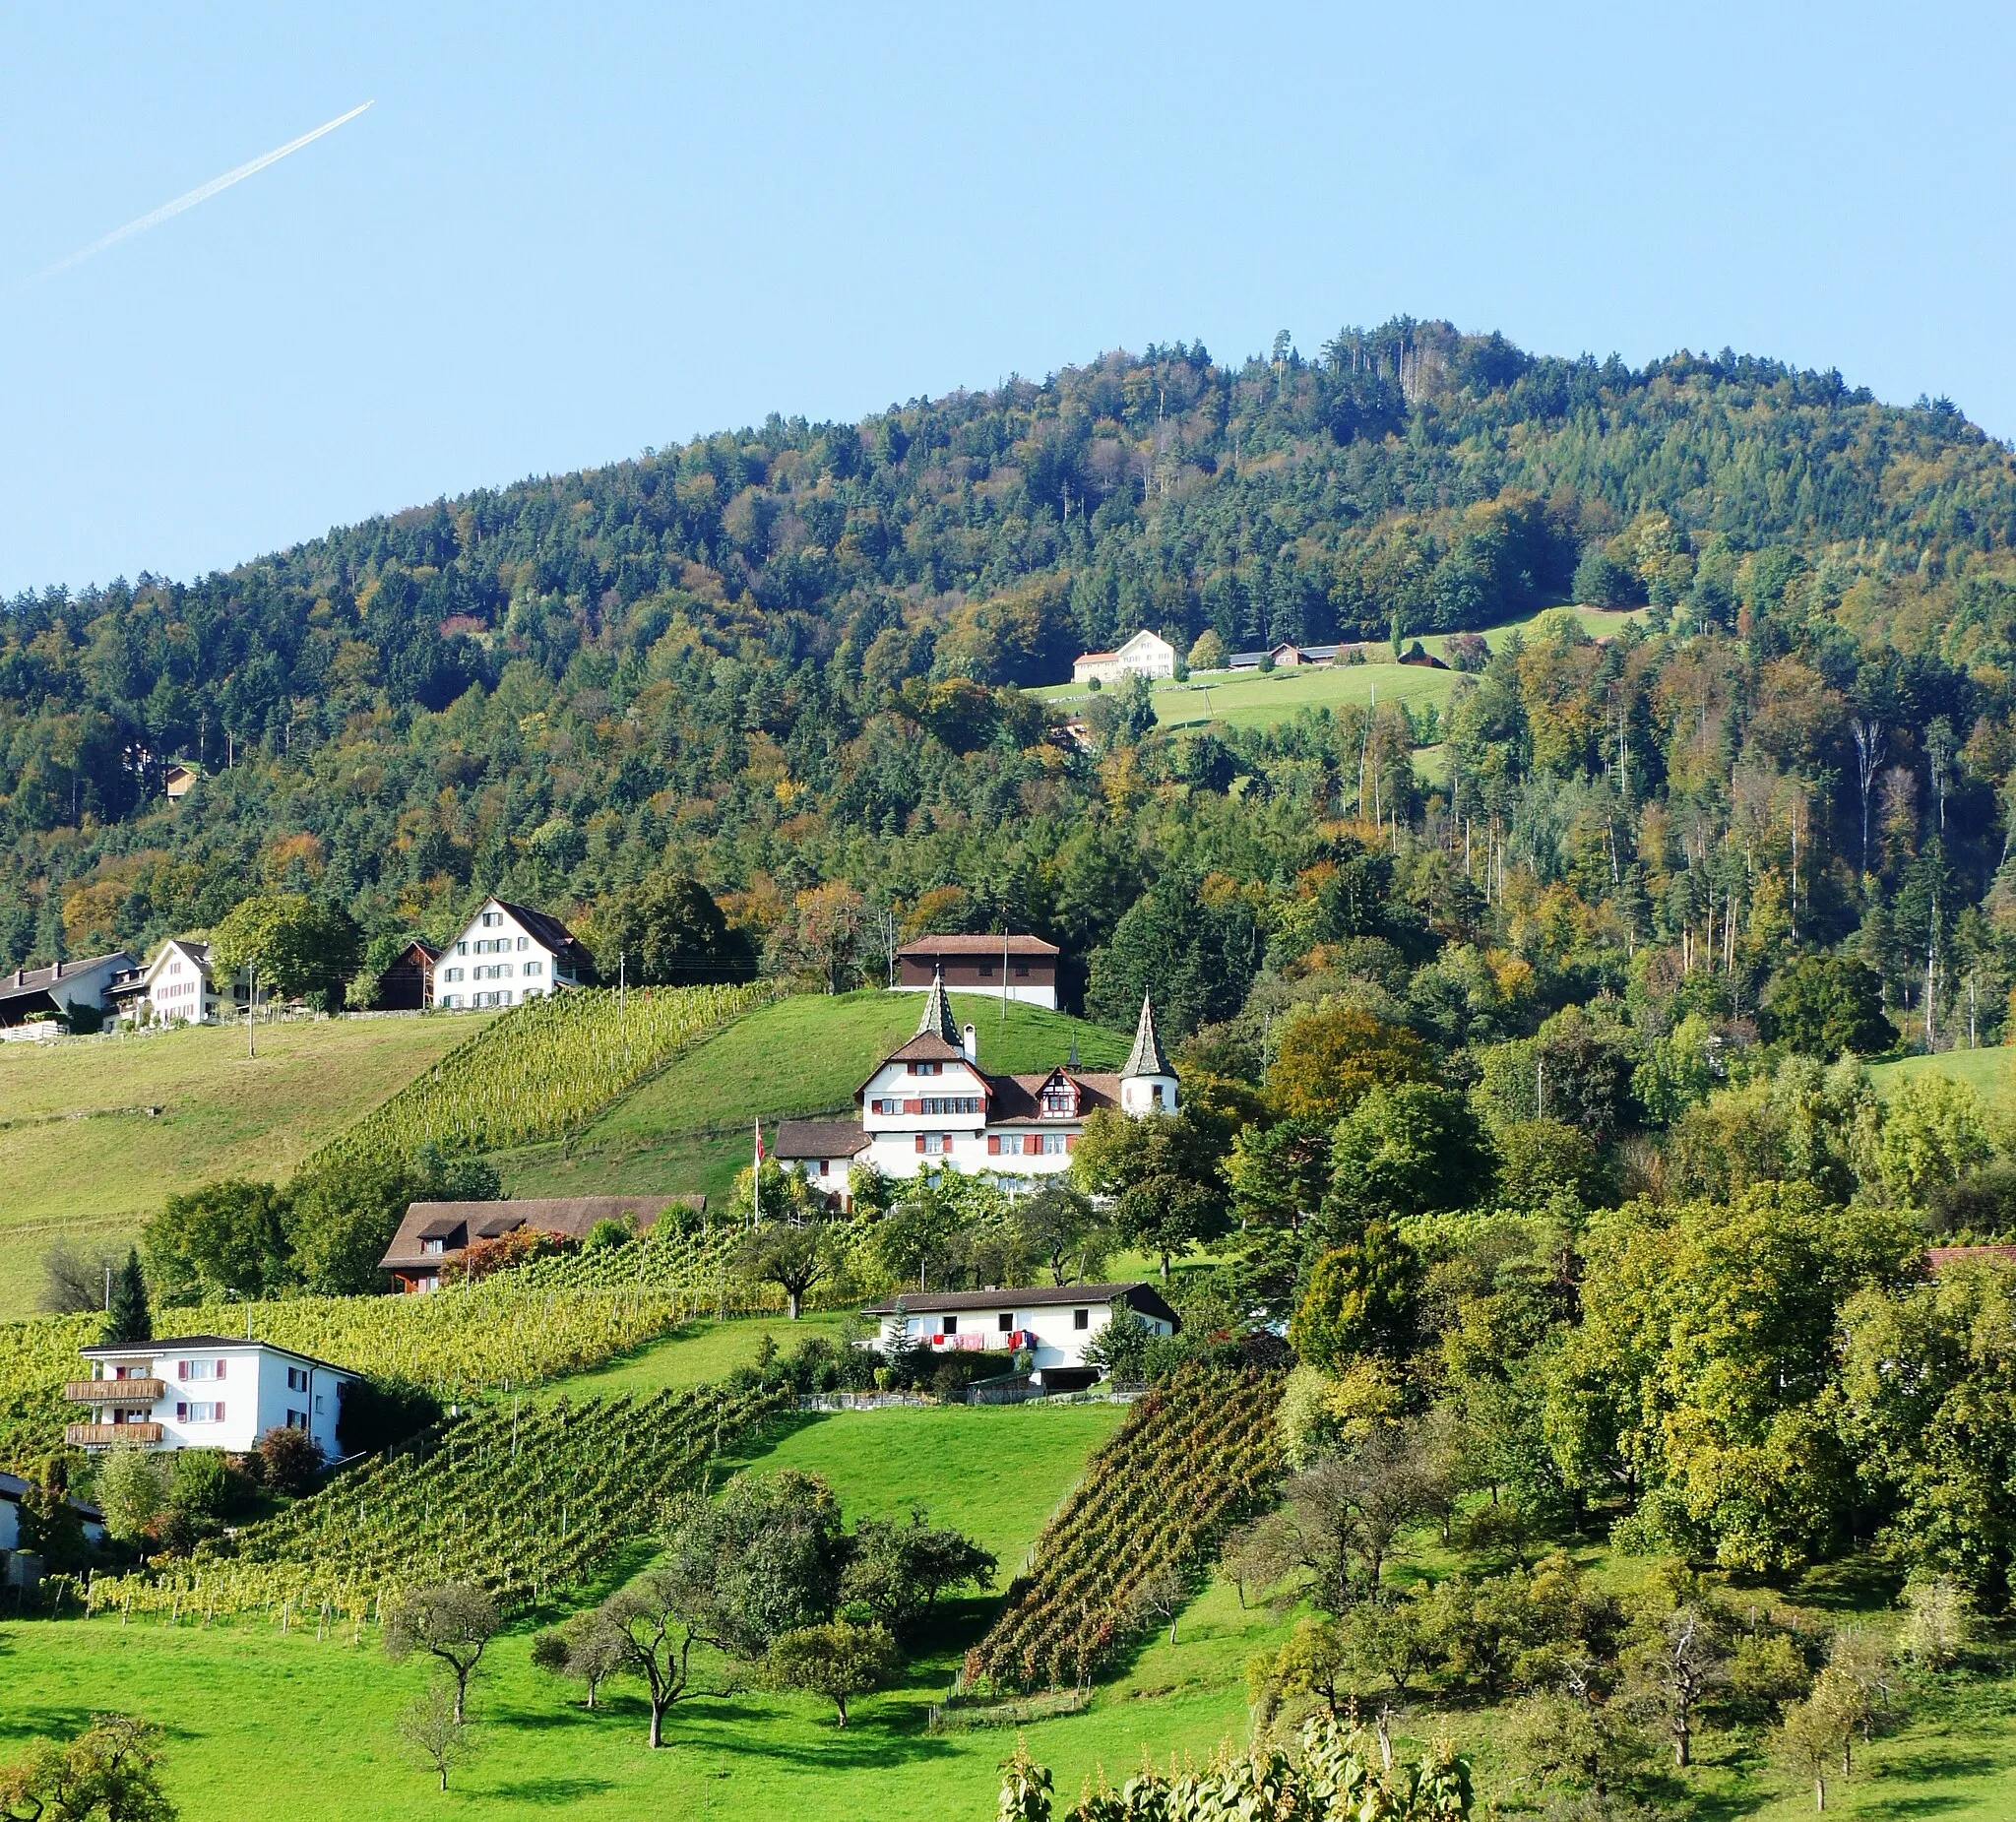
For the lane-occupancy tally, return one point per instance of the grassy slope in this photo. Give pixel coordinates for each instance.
(699, 1353)
(225, 1114)
(1991, 1072)
(1248, 699)
(690, 1128)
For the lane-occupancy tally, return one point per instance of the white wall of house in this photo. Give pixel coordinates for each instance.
(932, 1117)
(223, 1396)
(495, 961)
(1051, 1332)
(1145, 655)
(179, 988)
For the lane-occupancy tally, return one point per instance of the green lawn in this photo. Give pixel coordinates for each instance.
(1250, 699)
(697, 1354)
(691, 1127)
(81, 1157)
(1989, 1070)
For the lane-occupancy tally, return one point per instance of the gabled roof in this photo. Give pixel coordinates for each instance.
(1136, 1296)
(1017, 1099)
(14, 1487)
(1147, 1058)
(572, 1216)
(798, 1139)
(26, 981)
(199, 953)
(539, 925)
(194, 1344)
(978, 946)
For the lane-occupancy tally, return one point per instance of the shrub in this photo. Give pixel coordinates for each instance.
(292, 1461)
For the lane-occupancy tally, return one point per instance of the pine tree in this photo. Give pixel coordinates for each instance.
(128, 1318)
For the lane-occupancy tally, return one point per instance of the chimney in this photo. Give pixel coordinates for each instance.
(58, 976)
(970, 1043)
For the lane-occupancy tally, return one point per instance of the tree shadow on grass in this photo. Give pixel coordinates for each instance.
(729, 1725)
(551, 1792)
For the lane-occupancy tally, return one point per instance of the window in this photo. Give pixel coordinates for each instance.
(948, 1325)
(927, 1069)
(531, 968)
(491, 919)
(1022, 970)
(426, 1246)
(525, 942)
(462, 949)
(318, 1404)
(1156, 1090)
(297, 1379)
(200, 1412)
(986, 971)
(1081, 1318)
(826, 1167)
(1006, 1323)
(199, 1370)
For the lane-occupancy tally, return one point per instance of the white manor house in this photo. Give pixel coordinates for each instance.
(930, 1105)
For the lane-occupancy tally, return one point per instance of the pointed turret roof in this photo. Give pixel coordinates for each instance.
(1147, 1058)
(937, 1021)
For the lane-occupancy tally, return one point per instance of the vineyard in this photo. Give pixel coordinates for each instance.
(490, 1336)
(527, 1502)
(541, 1069)
(1192, 1459)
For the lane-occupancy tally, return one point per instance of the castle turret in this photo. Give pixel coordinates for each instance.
(938, 1020)
(1148, 1083)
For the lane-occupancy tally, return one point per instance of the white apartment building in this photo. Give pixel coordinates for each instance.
(1055, 1323)
(175, 989)
(205, 1392)
(506, 954)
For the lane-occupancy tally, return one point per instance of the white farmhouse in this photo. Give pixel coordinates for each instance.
(1055, 1323)
(205, 1392)
(31, 995)
(1145, 655)
(930, 1105)
(506, 954)
(176, 987)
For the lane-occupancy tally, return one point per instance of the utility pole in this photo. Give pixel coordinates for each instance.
(252, 1013)
(622, 963)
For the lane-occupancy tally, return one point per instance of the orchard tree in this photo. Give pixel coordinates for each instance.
(1330, 1059)
(299, 946)
(900, 1571)
(839, 1661)
(454, 1621)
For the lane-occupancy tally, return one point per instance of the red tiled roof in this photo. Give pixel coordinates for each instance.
(926, 945)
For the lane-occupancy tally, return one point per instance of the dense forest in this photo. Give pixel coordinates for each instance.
(783, 660)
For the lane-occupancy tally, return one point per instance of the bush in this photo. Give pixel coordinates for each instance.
(292, 1461)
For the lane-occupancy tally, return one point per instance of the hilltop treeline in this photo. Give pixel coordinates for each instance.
(780, 660)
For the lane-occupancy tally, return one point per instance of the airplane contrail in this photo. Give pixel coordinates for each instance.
(201, 194)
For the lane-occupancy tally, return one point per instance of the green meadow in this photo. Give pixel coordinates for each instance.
(81, 1157)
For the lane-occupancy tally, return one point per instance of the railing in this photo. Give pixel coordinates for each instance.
(114, 1391)
(102, 1435)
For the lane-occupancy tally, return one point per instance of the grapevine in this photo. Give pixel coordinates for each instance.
(540, 1070)
(526, 1502)
(1192, 1459)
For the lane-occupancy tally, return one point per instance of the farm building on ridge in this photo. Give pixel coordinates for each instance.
(1145, 655)
(1025, 964)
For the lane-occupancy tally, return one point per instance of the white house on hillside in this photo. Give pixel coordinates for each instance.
(204, 1392)
(507, 954)
(930, 1105)
(1057, 1322)
(32, 995)
(175, 989)
(1145, 655)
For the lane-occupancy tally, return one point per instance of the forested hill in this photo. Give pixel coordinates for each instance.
(739, 658)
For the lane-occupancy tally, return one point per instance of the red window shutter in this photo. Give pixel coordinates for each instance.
(220, 1369)
(913, 1107)
(220, 1410)
(181, 1369)
(1030, 1143)
(1070, 1142)
(181, 1414)
(921, 1142)
(994, 1145)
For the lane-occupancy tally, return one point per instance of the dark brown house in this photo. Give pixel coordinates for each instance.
(407, 985)
(980, 965)
(433, 1234)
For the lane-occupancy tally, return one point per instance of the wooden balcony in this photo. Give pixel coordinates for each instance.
(103, 1435)
(114, 1391)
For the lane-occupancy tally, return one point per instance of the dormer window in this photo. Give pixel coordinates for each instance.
(1059, 1099)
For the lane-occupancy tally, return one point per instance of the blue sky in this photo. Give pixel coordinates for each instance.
(554, 240)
